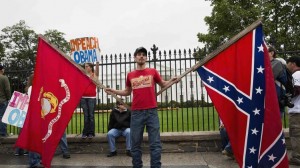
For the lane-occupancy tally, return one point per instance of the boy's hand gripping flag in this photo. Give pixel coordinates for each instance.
(57, 88)
(240, 83)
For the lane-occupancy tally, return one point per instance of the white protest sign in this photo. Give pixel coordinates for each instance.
(16, 110)
(85, 49)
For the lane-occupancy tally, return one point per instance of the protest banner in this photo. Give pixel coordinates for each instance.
(16, 110)
(85, 49)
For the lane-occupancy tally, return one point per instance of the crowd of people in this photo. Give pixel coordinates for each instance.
(130, 124)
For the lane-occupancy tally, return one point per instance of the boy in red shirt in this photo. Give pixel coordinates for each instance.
(144, 108)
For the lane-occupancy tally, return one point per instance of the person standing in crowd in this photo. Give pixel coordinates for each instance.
(34, 158)
(5, 94)
(279, 77)
(226, 146)
(88, 102)
(293, 65)
(144, 108)
(119, 125)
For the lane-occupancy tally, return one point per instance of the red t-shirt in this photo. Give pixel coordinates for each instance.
(143, 83)
(90, 91)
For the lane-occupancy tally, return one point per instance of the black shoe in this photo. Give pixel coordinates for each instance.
(37, 166)
(227, 153)
(128, 153)
(83, 136)
(66, 156)
(111, 154)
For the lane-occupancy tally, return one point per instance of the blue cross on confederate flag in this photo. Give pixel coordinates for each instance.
(240, 83)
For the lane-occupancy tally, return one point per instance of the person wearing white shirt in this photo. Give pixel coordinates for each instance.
(293, 64)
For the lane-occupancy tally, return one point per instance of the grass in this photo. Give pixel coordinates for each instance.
(175, 120)
(171, 120)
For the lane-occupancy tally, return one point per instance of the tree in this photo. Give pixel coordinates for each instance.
(2, 51)
(19, 42)
(18, 47)
(282, 23)
(56, 38)
(229, 17)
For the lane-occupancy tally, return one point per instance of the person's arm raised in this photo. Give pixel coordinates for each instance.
(97, 69)
(125, 92)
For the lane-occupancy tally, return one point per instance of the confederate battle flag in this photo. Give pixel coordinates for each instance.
(240, 83)
(56, 91)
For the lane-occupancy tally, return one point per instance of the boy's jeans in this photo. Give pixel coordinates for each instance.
(140, 119)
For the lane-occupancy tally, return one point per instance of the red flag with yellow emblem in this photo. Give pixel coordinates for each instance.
(58, 85)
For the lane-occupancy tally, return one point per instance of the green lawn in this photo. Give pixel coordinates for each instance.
(175, 120)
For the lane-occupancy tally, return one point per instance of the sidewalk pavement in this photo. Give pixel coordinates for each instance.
(169, 160)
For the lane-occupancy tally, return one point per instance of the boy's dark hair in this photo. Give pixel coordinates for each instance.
(272, 49)
(294, 59)
(140, 49)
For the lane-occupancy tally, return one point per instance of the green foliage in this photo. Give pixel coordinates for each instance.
(282, 23)
(2, 50)
(57, 38)
(103, 106)
(173, 103)
(18, 45)
(229, 17)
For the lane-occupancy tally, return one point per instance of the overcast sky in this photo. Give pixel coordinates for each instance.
(120, 25)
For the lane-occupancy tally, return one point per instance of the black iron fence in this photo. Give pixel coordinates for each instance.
(183, 107)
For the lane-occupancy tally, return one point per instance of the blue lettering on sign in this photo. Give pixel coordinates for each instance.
(94, 56)
(82, 57)
(21, 119)
(17, 117)
(85, 56)
(90, 52)
(76, 57)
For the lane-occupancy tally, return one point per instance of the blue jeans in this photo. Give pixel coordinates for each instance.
(88, 105)
(140, 119)
(3, 129)
(34, 159)
(225, 141)
(63, 144)
(115, 133)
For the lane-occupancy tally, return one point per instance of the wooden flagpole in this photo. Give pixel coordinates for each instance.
(97, 83)
(214, 53)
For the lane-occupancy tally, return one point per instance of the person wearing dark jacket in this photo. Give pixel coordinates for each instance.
(5, 94)
(119, 125)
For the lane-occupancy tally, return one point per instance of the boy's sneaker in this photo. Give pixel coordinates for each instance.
(91, 136)
(83, 136)
(17, 154)
(66, 155)
(111, 154)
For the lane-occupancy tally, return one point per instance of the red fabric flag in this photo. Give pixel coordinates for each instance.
(57, 88)
(240, 83)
